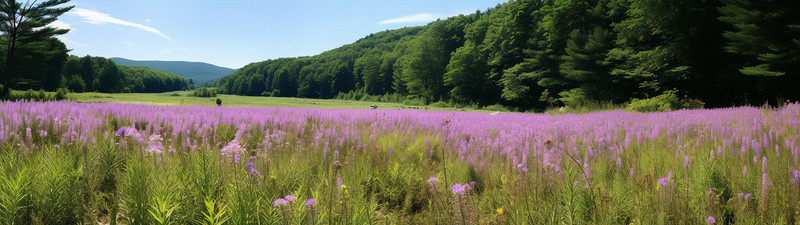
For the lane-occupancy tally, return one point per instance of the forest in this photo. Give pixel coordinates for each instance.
(47, 66)
(530, 54)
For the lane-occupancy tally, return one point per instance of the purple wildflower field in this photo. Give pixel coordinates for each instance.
(145, 164)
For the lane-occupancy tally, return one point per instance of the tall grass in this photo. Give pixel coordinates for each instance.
(384, 168)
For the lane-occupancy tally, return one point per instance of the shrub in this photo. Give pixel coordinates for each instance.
(219, 102)
(664, 102)
(495, 107)
(61, 94)
(413, 101)
(204, 93)
(441, 104)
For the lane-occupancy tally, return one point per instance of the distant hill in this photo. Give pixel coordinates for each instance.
(200, 72)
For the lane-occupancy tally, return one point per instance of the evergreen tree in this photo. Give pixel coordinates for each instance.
(25, 23)
(767, 35)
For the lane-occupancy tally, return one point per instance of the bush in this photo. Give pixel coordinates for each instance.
(219, 102)
(441, 104)
(664, 102)
(61, 94)
(496, 107)
(204, 93)
(413, 101)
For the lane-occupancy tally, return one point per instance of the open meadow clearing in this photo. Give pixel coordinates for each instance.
(68, 163)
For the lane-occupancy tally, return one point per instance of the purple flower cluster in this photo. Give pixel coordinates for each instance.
(664, 181)
(461, 188)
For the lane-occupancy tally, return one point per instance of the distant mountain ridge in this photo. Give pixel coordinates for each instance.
(199, 72)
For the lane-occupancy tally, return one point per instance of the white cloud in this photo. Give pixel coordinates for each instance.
(148, 20)
(60, 25)
(127, 43)
(96, 17)
(416, 18)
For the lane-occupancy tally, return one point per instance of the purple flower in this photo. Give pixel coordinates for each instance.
(432, 180)
(666, 180)
(155, 147)
(744, 170)
(686, 162)
(310, 201)
(459, 188)
(631, 171)
(252, 169)
(711, 220)
(619, 162)
(796, 177)
(522, 167)
(663, 181)
(290, 198)
(280, 202)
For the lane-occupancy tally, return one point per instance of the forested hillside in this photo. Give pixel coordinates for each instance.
(534, 54)
(87, 74)
(198, 72)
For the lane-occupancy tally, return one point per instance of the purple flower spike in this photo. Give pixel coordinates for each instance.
(663, 181)
(711, 219)
(459, 188)
(290, 198)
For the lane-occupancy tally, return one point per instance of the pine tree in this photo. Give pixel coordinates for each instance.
(23, 24)
(767, 34)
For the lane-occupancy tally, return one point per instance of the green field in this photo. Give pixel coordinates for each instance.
(184, 98)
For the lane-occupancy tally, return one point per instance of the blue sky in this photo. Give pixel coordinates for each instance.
(233, 33)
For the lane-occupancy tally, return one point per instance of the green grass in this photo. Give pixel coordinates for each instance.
(184, 98)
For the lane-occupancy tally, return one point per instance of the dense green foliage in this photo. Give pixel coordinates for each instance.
(534, 54)
(204, 92)
(33, 59)
(48, 67)
(89, 74)
(25, 36)
(198, 72)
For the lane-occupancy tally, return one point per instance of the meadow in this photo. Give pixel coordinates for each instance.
(112, 163)
(184, 98)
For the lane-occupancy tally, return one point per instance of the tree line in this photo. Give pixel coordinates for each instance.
(100, 74)
(33, 59)
(54, 68)
(530, 54)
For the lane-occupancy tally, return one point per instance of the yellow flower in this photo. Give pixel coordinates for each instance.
(344, 187)
(500, 211)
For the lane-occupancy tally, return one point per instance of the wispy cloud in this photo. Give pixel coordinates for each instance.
(416, 18)
(96, 17)
(60, 25)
